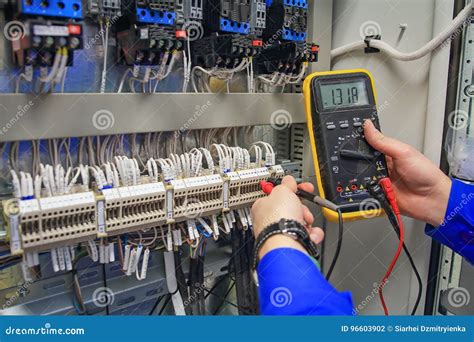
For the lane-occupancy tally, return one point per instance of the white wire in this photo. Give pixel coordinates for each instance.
(105, 42)
(122, 81)
(54, 69)
(411, 56)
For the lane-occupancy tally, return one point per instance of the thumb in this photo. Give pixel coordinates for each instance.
(380, 142)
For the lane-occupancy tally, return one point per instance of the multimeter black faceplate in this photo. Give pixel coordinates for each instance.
(346, 161)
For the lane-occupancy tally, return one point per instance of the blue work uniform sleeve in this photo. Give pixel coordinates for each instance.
(290, 283)
(457, 229)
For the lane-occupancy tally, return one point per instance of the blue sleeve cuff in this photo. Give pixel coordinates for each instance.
(457, 229)
(290, 283)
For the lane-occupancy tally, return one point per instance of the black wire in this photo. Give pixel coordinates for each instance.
(396, 226)
(418, 278)
(379, 194)
(217, 283)
(77, 298)
(339, 244)
(104, 274)
(241, 281)
(164, 305)
(181, 279)
(224, 300)
(158, 301)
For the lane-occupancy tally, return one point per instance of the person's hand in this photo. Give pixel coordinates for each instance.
(422, 190)
(283, 203)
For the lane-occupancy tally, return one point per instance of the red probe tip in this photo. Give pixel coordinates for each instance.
(267, 187)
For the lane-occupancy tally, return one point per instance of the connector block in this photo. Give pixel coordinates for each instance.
(234, 27)
(52, 8)
(58, 220)
(131, 208)
(149, 16)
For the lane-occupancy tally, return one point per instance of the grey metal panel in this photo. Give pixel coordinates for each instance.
(26, 117)
(457, 300)
(320, 31)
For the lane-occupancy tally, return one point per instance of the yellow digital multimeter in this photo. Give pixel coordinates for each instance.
(337, 103)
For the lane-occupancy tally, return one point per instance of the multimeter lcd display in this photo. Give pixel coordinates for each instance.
(347, 94)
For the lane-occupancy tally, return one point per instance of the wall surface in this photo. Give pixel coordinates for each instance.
(402, 96)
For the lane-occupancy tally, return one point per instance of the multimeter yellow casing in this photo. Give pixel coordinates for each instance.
(337, 103)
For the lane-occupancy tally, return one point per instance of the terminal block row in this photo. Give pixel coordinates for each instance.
(45, 223)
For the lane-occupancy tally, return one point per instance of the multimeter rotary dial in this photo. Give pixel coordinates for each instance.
(355, 154)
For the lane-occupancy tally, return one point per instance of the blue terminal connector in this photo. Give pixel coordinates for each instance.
(52, 8)
(296, 3)
(148, 16)
(294, 36)
(234, 27)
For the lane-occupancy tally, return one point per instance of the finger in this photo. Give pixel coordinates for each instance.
(257, 204)
(389, 146)
(307, 215)
(290, 183)
(390, 165)
(306, 187)
(316, 235)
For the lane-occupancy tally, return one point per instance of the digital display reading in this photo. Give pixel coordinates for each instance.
(344, 94)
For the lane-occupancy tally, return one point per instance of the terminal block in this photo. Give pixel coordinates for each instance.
(156, 12)
(131, 208)
(71, 9)
(286, 57)
(146, 45)
(50, 222)
(42, 39)
(204, 195)
(225, 51)
(54, 221)
(244, 185)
